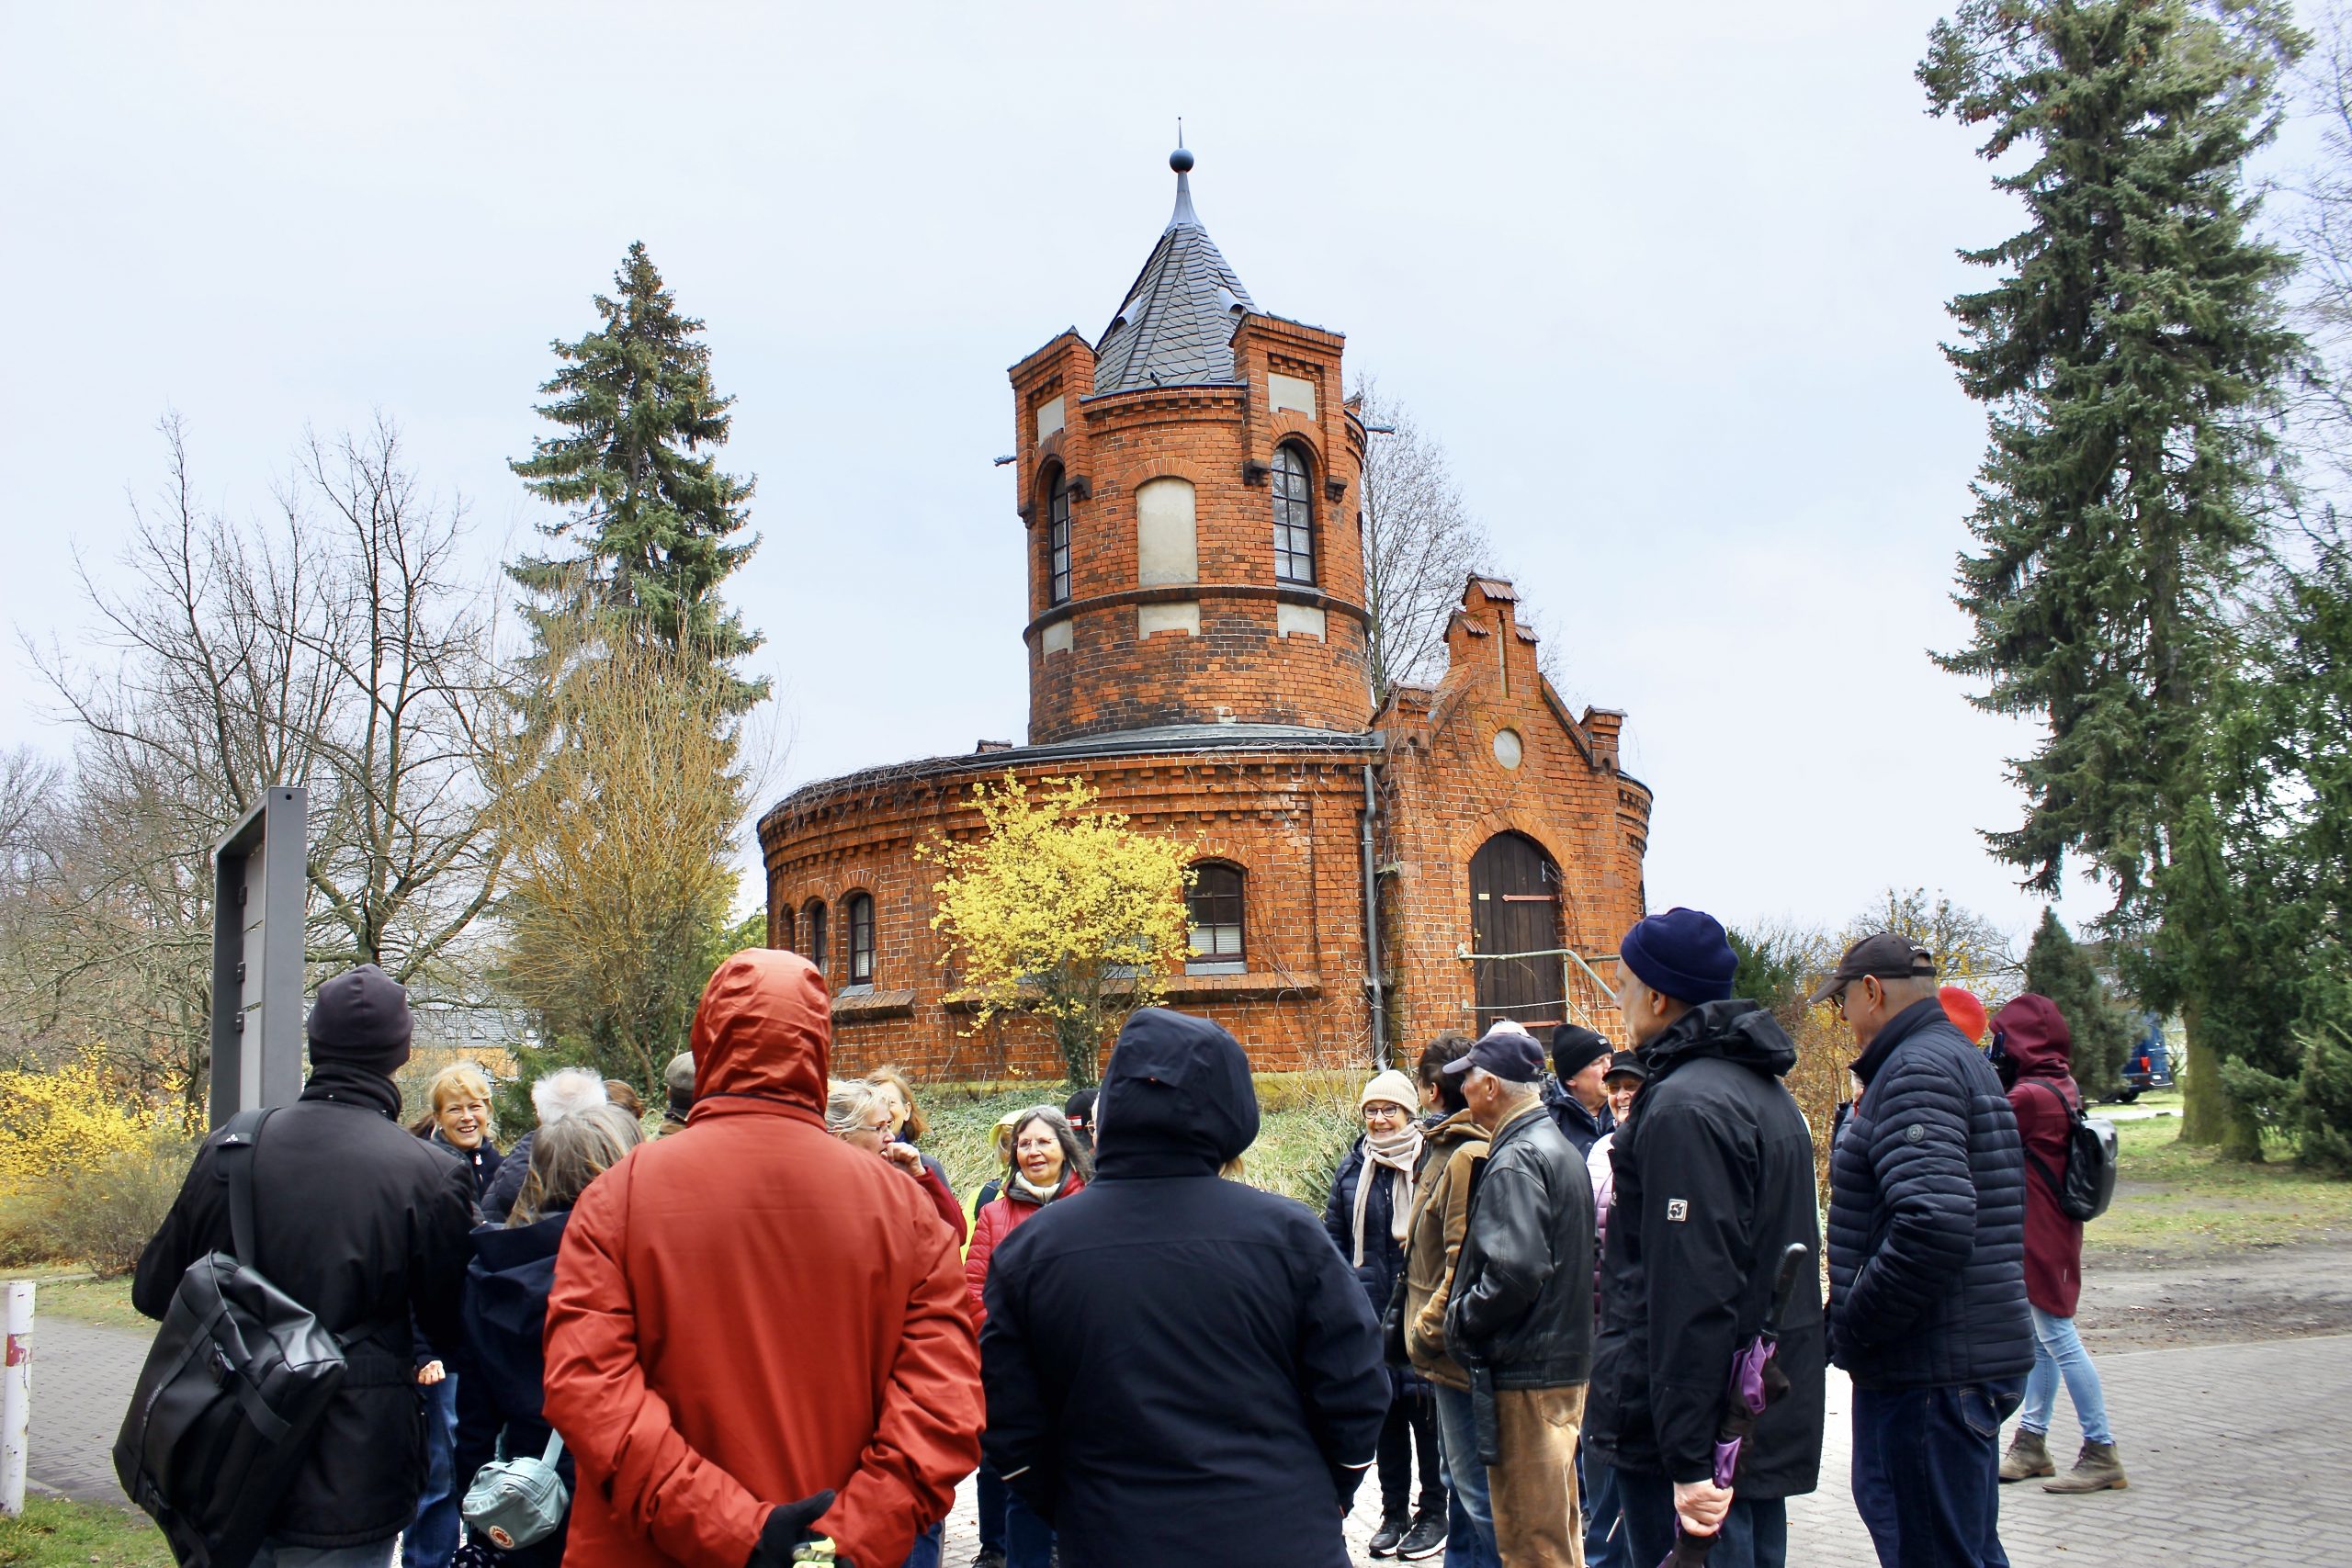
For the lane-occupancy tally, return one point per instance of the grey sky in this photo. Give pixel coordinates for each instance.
(1668, 282)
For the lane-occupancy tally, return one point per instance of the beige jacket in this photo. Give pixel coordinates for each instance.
(1433, 1240)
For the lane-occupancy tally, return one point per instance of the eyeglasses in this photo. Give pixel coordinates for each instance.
(1383, 1112)
(881, 1126)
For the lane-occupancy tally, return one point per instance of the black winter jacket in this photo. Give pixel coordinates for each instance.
(364, 1223)
(1522, 1304)
(1582, 1128)
(1179, 1368)
(505, 1367)
(1714, 1174)
(506, 1182)
(483, 1161)
(1927, 1216)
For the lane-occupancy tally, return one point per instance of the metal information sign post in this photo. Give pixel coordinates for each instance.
(260, 890)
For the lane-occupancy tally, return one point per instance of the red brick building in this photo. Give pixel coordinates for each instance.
(1187, 490)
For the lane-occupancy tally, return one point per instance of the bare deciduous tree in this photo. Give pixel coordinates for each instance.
(1420, 544)
(338, 649)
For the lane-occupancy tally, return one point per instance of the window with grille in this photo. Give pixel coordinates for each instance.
(1212, 911)
(812, 934)
(1057, 541)
(1293, 517)
(859, 913)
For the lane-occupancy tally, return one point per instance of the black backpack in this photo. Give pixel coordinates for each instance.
(2087, 1185)
(234, 1385)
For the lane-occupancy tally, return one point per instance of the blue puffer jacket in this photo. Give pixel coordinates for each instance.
(1927, 1216)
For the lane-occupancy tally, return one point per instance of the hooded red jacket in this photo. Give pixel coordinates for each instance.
(750, 1311)
(2040, 1048)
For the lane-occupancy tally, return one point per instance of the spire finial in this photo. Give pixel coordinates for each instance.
(1182, 162)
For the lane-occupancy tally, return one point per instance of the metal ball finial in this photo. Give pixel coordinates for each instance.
(1181, 160)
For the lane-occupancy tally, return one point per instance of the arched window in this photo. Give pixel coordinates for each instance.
(783, 931)
(1057, 539)
(1212, 911)
(858, 911)
(812, 932)
(1293, 517)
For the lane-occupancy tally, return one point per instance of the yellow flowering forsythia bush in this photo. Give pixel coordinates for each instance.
(88, 1166)
(1061, 911)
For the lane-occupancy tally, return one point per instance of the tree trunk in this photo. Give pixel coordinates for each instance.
(2209, 1118)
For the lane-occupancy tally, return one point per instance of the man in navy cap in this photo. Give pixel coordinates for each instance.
(1520, 1318)
(1714, 1181)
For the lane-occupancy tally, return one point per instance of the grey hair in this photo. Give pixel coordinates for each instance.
(565, 1091)
(567, 1156)
(1074, 1155)
(847, 1102)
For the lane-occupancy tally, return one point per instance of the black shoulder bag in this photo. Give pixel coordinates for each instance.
(236, 1381)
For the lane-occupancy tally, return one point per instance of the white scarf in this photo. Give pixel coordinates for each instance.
(1041, 1196)
(1397, 1153)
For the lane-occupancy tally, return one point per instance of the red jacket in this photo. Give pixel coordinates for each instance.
(750, 1311)
(996, 1221)
(2040, 1047)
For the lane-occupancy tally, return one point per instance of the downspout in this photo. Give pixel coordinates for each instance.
(1372, 986)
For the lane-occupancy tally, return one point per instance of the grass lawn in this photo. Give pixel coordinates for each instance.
(54, 1533)
(2170, 1197)
(106, 1302)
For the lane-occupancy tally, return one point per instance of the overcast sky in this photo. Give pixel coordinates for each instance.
(1668, 282)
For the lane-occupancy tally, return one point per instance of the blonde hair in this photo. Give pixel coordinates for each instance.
(846, 1105)
(450, 1082)
(917, 1123)
(567, 1156)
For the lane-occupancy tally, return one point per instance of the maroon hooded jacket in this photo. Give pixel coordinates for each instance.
(2040, 1048)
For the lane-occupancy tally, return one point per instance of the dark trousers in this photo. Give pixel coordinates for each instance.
(1928, 1473)
(1754, 1534)
(1410, 1432)
(431, 1540)
(991, 1503)
(1604, 1526)
(1028, 1538)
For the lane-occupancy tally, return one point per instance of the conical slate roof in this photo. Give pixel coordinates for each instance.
(1175, 327)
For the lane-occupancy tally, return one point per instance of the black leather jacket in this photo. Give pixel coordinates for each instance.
(1521, 1305)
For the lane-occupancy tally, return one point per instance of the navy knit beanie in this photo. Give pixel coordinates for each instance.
(1682, 953)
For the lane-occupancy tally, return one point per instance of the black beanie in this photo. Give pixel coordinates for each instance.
(1575, 1048)
(361, 1018)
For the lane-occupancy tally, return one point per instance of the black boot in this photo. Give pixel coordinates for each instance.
(1391, 1533)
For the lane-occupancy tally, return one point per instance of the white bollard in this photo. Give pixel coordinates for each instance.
(16, 1397)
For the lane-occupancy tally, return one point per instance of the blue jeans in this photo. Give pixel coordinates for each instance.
(1604, 1531)
(432, 1538)
(928, 1547)
(1028, 1538)
(374, 1554)
(2058, 1353)
(1754, 1534)
(1470, 1517)
(1928, 1473)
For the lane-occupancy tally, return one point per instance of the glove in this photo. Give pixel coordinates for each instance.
(787, 1528)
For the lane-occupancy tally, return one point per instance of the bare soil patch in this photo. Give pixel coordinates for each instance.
(2147, 1299)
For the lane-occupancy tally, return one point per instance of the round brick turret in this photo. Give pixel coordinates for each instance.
(1188, 494)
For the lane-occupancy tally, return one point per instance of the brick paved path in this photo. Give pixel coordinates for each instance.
(2238, 1454)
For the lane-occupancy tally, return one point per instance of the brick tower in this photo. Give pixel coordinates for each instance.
(1188, 494)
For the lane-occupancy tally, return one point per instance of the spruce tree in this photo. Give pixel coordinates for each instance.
(2128, 357)
(2057, 967)
(653, 520)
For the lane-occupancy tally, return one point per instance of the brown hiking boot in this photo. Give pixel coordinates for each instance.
(2028, 1456)
(2096, 1470)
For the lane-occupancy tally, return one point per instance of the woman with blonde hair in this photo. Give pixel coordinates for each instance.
(506, 1303)
(458, 1123)
(857, 1113)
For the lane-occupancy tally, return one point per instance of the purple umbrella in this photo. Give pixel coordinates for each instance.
(1757, 1382)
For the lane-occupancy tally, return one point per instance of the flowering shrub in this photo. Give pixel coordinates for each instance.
(74, 1121)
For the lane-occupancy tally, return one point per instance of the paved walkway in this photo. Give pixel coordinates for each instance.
(2238, 1454)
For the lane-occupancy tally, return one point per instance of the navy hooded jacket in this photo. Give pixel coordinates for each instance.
(1927, 1216)
(1180, 1368)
